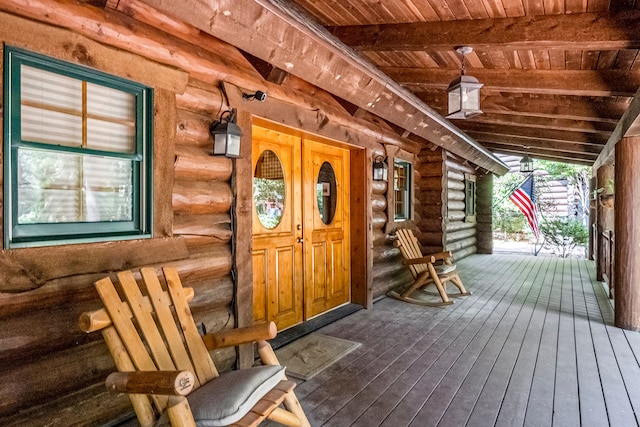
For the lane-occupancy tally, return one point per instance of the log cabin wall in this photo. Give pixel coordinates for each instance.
(432, 193)
(388, 269)
(459, 229)
(484, 213)
(48, 365)
(51, 372)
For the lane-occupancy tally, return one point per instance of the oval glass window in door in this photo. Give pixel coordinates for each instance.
(326, 193)
(269, 189)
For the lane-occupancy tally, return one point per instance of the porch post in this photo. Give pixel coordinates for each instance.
(627, 234)
(593, 214)
(604, 173)
(484, 213)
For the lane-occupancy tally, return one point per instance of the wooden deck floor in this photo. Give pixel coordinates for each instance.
(534, 345)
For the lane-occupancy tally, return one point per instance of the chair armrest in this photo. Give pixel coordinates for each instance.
(423, 260)
(239, 336)
(442, 255)
(177, 383)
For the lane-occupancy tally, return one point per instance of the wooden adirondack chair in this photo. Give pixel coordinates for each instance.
(165, 366)
(436, 269)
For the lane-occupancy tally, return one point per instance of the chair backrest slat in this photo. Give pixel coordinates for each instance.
(161, 302)
(127, 332)
(410, 249)
(142, 310)
(205, 370)
(141, 402)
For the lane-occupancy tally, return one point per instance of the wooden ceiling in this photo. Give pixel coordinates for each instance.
(557, 74)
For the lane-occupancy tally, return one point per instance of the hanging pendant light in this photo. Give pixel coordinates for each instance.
(464, 92)
(526, 163)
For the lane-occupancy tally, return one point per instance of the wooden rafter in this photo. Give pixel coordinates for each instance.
(527, 132)
(582, 31)
(553, 156)
(535, 143)
(554, 123)
(284, 36)
(603, 110)
(546, 82)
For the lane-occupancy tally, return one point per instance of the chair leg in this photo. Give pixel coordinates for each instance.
(292, 403)
(414, 286)
(268, 357)
(440, 288)
(179, 412)
(458, 283)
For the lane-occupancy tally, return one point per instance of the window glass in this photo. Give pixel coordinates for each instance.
(470, 199)
(326, 193)
(269, 190)
(77, 153)
(402, 190)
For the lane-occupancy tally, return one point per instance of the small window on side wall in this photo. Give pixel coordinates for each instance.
(470, 198)
(402, 190)
(77, 154)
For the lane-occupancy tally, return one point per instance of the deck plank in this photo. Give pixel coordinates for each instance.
(393, 390)
(534, 345)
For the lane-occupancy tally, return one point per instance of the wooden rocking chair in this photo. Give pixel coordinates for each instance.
(165, 366)
(436, 269)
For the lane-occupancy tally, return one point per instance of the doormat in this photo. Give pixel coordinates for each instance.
(308, 356)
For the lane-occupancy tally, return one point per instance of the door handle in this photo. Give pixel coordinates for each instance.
(299, 240)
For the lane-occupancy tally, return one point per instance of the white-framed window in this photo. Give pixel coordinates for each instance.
(77, 153)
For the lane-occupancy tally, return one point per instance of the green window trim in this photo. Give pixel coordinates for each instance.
(136, 221)
(402, 194)
(470, 198)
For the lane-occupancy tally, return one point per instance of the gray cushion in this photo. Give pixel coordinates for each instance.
(228, 398)
(445, 269)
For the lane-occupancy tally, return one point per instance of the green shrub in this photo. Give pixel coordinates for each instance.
(563, 235)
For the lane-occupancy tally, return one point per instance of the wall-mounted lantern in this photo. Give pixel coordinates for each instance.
(226, 135)
(380, 169)
(464, 93)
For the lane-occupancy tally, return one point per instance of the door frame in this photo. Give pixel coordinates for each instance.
(360, 228)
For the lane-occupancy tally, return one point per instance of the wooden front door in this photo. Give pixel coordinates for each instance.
(326, 225)
(301, 262)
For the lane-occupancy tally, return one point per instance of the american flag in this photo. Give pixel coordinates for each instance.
(523, 197)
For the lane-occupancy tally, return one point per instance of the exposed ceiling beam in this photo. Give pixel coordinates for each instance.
(547, 82)
(533, 144)
(580, 31)
(287, 38)
(553, 157)
(628, 126)
(547, 134)
(606, 110)
(544, 123)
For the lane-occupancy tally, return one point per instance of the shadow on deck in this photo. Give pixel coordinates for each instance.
(534, 345)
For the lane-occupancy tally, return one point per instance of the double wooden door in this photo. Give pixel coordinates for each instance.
(301, 252)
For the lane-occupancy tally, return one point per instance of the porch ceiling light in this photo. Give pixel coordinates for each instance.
(526, 164)
(464, 92)
(226, 135)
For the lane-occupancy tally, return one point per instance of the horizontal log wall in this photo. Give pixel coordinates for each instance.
(52, 374)
(460, 235)
(484, 213)
(431, 191)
